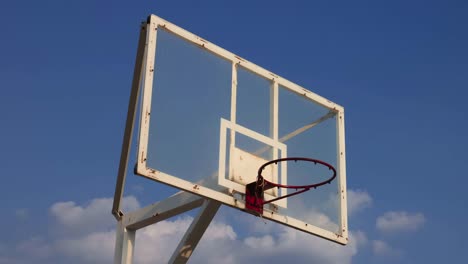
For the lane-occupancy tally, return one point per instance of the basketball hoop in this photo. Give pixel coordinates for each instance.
(254, 199)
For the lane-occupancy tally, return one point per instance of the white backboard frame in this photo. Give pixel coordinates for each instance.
(220, 194)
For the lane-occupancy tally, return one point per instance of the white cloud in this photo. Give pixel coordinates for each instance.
(95, 244)
(156, 243)
(280, 244)
(96, 247)
(217, 230)
(321, 220)
(275, 243)
(34, 248)
(360, 238)
(400, 221)
(291, 245)
(94, 216)
(381, 248)
(358, 200)
(260, 242)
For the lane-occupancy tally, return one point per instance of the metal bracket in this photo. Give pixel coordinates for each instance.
(172, 206)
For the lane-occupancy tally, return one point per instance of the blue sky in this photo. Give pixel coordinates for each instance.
(398, 67)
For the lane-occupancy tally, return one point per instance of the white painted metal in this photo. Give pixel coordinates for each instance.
(342, 174)
(124, 244)
(147, 92)
(244, 166)
(195, 232)
(172, 206)
(122, 173)
(274, 98)
(233, 104)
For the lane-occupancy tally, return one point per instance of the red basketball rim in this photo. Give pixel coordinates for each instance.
(304, 188)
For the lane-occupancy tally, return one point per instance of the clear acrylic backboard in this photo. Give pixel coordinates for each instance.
(209, 119)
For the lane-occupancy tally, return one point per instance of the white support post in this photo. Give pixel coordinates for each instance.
(124, 244)
(195, 232)
(177, 204)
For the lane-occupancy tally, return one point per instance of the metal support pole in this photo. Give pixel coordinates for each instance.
(195, 232)
(124, 244)
(172, 206)
(127, 140)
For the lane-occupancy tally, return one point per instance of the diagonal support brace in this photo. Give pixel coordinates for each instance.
(177, 204)
(195, 232)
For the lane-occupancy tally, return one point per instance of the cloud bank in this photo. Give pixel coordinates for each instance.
(85, 233)
(401, 221)
(381, 248)
(358, 200)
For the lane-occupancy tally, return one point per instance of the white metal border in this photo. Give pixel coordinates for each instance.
(153, 24)
(223, 181)
(241, 61)
(341, 152)
(147, 92)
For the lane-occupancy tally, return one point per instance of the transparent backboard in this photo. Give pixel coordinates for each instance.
(209, 119)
